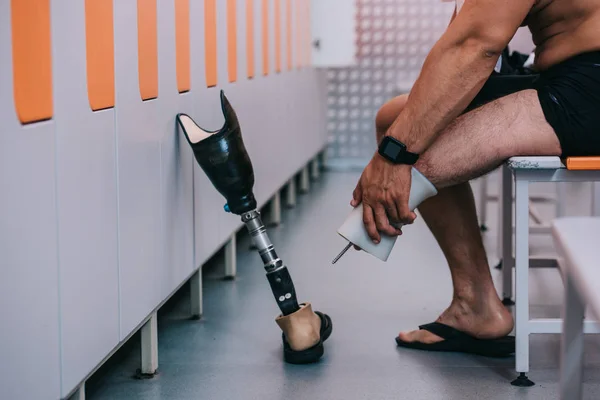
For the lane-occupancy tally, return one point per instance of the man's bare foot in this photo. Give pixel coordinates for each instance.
(480, 319)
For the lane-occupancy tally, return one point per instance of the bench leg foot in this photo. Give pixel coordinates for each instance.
(149, 349)
(230, 259)
(79, 393)
(196, 295)
(522, 381)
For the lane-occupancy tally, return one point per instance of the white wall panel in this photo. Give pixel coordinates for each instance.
(87, 205)
(29, 349)
(139, 177)
(208, 203)
(177, 213)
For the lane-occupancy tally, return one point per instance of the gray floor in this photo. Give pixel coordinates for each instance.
(234, 352)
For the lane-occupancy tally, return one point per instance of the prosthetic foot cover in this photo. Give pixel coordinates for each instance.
(457, 341)
(223, 158)
(303, 334)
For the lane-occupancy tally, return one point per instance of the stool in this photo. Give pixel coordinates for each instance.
(541, 226)
(526, 170)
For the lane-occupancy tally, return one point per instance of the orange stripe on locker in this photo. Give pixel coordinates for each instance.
(299, 33)
(288, 34)
(308, 30)
(265, 36)
(182, 45)
(147, 49)
(278, 35)
(32, 59)
(250, 37)
(232, 39)
(210, 42)
(100, 55)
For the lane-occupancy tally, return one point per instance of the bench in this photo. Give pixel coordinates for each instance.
(576, 240)
(525, 170)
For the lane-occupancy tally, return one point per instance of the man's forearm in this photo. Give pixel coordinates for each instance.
(451, 77)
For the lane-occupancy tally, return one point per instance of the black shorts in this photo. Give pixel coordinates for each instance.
(569, 94)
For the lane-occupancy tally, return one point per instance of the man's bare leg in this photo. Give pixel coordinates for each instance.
(483, 138)
(476, 308)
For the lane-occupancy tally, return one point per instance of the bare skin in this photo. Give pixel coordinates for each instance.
(451, 216)
(454, 72)
(456, 148)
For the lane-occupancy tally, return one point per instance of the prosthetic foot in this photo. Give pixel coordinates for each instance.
(223, 158)
(353, 229)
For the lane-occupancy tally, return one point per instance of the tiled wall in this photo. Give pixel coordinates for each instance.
(394, 37)
(104, 211)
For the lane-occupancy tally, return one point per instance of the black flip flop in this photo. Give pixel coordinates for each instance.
(457, 341)
(314, 353)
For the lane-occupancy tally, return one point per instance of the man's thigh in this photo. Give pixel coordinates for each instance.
(480, 140)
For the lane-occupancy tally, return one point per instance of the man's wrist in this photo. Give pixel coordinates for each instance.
(409, 141)
(396, 152)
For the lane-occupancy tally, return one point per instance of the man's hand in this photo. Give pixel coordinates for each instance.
(384, 190)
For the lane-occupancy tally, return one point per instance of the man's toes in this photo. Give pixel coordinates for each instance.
(420, 336)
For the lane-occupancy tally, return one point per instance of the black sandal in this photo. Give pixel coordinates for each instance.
(457, 341)
(314, 353)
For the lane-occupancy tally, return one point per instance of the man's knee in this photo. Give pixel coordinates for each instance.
(388, 113)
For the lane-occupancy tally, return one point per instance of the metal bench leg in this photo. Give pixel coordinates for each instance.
(275, 210)
(506, 212)
(323, 157)
(483, 201)
(290, 197)
(596, 200)
(149, 348)
(196, 306)
(315, 172)
(79, 393)
(522, 281)
(571, 353)
(561, 199)
(304, 180)
(231, 258)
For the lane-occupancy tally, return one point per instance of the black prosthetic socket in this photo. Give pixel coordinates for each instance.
(223, 158)
(283, 290)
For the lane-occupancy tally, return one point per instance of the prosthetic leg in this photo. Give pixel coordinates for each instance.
(353, 229)
(222, 156)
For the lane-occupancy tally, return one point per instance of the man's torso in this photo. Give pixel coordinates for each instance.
(562, 29)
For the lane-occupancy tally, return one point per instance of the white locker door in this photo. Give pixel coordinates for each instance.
(333, 28)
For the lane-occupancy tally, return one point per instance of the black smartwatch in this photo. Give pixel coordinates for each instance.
(395, 151)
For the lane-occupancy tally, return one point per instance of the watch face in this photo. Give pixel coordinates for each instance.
(392, 149)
